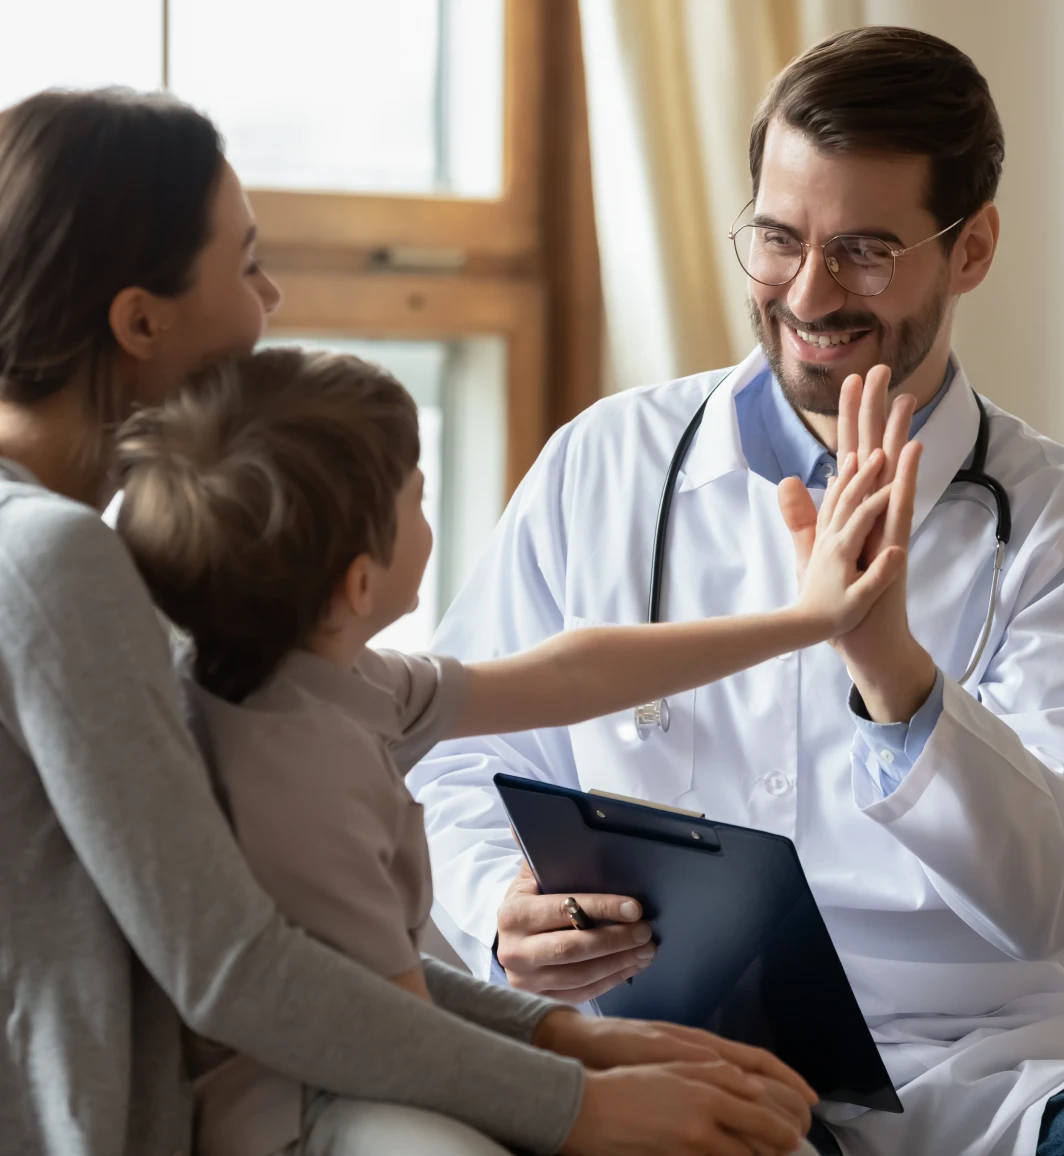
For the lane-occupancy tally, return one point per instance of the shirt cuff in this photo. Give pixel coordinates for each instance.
(895, 747)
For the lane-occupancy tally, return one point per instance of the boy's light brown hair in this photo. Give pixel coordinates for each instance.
(249, 495)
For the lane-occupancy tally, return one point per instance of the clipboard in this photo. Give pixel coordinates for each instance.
(742, 948)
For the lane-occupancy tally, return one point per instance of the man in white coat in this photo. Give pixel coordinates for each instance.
(928, 815)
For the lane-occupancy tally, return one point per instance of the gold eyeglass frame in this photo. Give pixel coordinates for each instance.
(733, 233)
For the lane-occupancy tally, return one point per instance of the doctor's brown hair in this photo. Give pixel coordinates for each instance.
(881, 89)
(248, 496)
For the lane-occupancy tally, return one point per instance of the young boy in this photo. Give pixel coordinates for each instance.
(275, 513)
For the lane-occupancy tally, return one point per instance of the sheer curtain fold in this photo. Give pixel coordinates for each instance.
(672, 86)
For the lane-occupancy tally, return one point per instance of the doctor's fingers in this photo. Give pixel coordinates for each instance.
(872, 417)
(592, 954)
(528, 911)
(898, 521)
(849, 407)
(592, 990)
(578, 982)
(896, 435)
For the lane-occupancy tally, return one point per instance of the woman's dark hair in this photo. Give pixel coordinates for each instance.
(99, 191)
(880, 89)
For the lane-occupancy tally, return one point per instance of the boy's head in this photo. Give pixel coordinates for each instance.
(278, 498)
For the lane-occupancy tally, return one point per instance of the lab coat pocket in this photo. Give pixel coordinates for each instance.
(610, 755)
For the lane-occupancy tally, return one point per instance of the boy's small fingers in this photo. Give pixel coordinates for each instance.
(858, 491)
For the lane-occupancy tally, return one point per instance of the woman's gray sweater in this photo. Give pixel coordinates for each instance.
(125, 903)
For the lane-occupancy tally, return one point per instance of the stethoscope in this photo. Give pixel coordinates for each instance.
(654, 715)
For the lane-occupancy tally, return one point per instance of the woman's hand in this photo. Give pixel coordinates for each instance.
(681, 1109)
(608, 1042)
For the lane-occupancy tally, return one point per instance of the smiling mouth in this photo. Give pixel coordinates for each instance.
(827, 340)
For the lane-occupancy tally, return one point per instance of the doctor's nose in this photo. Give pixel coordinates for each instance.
(814, 293)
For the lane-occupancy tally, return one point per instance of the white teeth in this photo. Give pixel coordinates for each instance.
(824, 340)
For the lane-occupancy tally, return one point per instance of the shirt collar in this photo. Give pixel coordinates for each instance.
(947, 431)
(798, 451)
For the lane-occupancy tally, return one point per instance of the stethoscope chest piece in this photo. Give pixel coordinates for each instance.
(650, 717)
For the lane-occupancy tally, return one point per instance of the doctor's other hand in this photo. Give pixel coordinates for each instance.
(541, 952)
(683, 1109)
(837, 591)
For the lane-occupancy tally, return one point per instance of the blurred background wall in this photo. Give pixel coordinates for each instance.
(517, 205)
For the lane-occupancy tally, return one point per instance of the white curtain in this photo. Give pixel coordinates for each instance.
(672, 86)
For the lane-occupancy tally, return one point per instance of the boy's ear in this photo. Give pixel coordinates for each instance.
(138, 321)
(356, 586)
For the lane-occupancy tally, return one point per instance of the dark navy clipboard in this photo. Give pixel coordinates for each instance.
(742, 948)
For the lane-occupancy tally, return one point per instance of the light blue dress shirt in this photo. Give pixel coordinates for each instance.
(777, 445)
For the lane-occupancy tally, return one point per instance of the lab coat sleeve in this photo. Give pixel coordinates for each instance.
(513, 600)
(894, 747)
(983, 805)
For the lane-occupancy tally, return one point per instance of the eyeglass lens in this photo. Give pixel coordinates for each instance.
(862, 265)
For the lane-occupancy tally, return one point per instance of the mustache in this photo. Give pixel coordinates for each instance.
(829, 323)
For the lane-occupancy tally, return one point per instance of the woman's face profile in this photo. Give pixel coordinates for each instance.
(224, 310)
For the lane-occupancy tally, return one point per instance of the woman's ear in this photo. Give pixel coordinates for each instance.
(138, 321)
(356, 586)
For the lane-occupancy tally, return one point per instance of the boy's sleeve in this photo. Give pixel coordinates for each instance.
(430, 691)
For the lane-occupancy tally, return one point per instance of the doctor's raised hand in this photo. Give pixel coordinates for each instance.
(891, 672)
(623, 666)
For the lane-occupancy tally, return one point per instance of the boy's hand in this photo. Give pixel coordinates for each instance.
(835, 589)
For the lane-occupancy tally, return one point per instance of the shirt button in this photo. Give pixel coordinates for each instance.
(776, 784)
(886, 756)
(827, 470)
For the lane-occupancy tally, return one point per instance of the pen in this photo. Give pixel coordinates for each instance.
(578, 918)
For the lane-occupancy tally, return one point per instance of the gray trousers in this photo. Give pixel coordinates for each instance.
(340, 1127)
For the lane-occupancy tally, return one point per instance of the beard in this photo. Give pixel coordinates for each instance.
(814, 388)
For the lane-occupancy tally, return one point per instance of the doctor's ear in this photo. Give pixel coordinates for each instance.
(139, 320)
(974, 251)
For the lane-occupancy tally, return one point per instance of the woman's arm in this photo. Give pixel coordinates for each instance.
(586, 673)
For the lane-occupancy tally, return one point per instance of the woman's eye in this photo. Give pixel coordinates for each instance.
(254, 268)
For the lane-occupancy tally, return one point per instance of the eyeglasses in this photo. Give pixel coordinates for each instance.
(861, 265)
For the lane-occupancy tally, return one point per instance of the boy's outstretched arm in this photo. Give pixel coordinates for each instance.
(586, 673)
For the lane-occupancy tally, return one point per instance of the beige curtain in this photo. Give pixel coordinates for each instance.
(672, 86)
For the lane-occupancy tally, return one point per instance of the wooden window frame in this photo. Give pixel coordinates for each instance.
(523, 267)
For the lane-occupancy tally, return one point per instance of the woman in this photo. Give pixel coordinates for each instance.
(127, 261)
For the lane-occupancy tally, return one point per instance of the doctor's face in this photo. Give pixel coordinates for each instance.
(816, 196)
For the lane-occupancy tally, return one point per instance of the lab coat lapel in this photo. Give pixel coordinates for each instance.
(948, 439)
(717, 448)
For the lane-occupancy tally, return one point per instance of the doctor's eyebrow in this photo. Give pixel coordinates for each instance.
(879, 234)
(250, 235)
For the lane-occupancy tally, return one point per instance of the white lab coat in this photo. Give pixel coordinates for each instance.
(946, 899)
